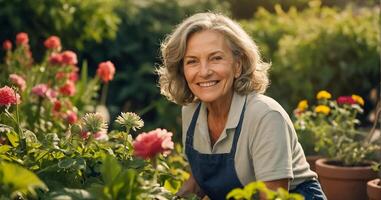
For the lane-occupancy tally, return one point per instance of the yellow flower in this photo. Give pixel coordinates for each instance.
(358, 99)
(322, 109)
(323, 95)
(302, 105)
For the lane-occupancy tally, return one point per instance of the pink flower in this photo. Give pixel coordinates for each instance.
(57, 106)
(8, 96)
(18, 80)
(53, 42)
(106, 71)
(345, 100)
(73, 76)
(68, 89)
(60, 75)
(7, 45)
(56, 59)
(147, 145)
(102, 136)
(40, 90)
(69, 58)
(85, 135)
(51, 94)
(71, 117)
(22, 38)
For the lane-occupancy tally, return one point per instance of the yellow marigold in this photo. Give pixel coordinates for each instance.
(302, 105)
(323, 95)
(322, 109)
(358, 99)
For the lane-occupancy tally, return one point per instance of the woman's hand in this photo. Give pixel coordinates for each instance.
(190, 187)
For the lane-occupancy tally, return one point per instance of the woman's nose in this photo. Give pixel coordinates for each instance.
(204, 69)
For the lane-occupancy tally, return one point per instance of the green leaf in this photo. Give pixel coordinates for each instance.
(19, 179)
(13, 138)
(110, 169)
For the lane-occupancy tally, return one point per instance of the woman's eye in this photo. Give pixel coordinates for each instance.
(217, 58)
(188, 62)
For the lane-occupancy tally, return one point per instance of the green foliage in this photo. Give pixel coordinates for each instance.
(254, 188)
(75, 21)
(16, 181)
(318, 47)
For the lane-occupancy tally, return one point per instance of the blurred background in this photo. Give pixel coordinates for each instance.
(312, 45)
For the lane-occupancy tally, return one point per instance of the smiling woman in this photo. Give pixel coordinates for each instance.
(232, 133)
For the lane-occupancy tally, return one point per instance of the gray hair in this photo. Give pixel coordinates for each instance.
(254, 76)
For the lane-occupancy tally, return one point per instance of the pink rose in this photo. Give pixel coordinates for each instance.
(22, 38)
(40, 90)
(18, 80)
(53, 42)
(7, 45)
(106, 71)
(8, 96)
(69, 58)
(68, 89)
(56, 59)
(345, 100)
(71, 117)
(147, 145)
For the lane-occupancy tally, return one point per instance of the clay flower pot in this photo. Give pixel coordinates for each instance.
(344, 183)
(311, 161)
(374, 189)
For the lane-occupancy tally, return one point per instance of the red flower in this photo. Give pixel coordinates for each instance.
(73, 76)
(69, 58)
(22, 38)
(57, 106)
(53, 42)
(106, 71)
(18, 80)
(68, 89)
(56, 59)
(7, 45)
(71, 117)
(40, 90)
(8, 96)
(147, 145)
(345, 100)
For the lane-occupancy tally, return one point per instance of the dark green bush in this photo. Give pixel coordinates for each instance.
(318, 48)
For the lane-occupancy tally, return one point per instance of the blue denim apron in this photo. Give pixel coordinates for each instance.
(311, 190)
(214, 173)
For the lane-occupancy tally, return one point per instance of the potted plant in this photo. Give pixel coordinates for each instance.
(346, 169)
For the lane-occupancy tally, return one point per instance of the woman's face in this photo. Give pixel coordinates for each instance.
(209, 66)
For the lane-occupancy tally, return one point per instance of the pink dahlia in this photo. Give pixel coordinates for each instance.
(53, 42)
(18, 81)
(8, 96)
(68, 89)
(346, 100)
(106, 71)
(147, 145)
(69, 58)
(22, 38)
(7, 45)
(40, 90)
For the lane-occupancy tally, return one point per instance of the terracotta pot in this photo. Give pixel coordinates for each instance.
(344, 183)
(311, 161)
(374, 189)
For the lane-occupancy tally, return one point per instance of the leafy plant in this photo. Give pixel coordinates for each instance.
(333, 124)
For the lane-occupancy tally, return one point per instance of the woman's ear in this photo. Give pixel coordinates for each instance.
(237, 68)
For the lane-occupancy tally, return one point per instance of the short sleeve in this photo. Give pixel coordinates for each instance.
(271, 148)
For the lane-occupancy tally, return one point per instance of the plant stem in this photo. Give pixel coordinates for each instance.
(104, 94)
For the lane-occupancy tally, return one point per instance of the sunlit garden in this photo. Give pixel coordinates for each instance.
(82, 115)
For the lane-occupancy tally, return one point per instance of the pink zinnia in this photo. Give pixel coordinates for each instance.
(102, 135)
(22, 38)
(56, 59)
(346, 100)
(8, 96)
(68, 89)
(18, 81)
(106, 71)
(7, 45)
(69, 58)
(71, 117)
(40, 90)
(147, 145)
(53, 42)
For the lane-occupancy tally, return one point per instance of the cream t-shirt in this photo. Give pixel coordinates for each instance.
(268, 147)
